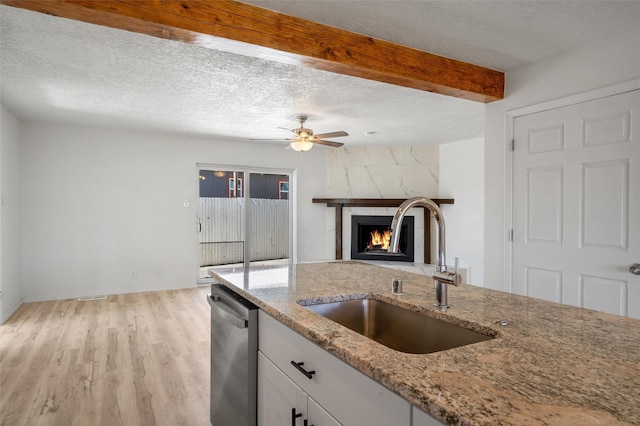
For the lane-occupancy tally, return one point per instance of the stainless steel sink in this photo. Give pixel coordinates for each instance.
(396, 327)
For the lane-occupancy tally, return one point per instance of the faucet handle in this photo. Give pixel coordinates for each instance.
(457, 277)
(446, 277)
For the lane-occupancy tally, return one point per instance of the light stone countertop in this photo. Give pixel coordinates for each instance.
(552, 364)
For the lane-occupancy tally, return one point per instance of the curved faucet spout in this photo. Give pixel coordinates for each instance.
(441, 276)
(396, 224)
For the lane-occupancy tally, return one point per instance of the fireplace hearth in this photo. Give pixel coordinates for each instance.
(370, 238)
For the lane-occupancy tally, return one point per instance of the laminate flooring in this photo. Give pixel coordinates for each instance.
(131, 359)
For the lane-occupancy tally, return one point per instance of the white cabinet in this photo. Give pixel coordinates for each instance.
(420, 418)
(282, 402)
(346, 394)
(277, 394)
(318, 416)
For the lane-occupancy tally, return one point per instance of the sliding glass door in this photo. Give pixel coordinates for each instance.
(244, 218)
(268, 218)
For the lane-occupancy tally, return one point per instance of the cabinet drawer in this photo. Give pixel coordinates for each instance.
(420, 418)
(350, 396)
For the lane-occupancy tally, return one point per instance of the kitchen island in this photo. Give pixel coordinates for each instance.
(550, 363)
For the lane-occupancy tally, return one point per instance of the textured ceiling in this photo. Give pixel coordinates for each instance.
(497, 34)
(54, 69)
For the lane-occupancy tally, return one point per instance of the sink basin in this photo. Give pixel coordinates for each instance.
(396, 327)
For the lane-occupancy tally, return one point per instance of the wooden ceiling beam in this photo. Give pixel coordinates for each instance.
(249, 30)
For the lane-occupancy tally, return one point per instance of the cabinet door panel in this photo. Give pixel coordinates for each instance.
(277, 396)
(319, 417)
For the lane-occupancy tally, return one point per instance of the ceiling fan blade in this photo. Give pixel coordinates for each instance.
(288, 130)
(327, 143)
(275, 139)
(332, 135)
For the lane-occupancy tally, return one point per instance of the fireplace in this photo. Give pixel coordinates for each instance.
(370, 238)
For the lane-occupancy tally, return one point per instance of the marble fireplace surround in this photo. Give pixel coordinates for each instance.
(341, 203)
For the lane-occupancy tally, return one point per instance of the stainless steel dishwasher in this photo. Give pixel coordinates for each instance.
(234, 358)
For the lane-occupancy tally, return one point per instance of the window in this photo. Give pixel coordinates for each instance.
(283, 189)
(232, 189)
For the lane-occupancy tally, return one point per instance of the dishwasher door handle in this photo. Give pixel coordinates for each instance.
(227, 314)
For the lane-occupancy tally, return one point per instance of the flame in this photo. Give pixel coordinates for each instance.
(380, 239)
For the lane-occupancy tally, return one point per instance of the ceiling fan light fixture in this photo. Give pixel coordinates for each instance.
(305, 139)
(301, 145)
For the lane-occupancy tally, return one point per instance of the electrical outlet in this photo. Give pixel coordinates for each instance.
(133, 274)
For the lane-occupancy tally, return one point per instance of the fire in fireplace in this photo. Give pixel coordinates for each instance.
(370, 237)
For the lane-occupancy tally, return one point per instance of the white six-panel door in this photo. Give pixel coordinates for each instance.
(576, 204)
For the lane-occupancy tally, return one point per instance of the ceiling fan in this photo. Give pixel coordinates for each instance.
(304, 138)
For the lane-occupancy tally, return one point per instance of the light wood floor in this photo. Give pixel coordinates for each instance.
(134, 359)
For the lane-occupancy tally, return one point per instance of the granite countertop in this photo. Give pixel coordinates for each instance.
(552, 364)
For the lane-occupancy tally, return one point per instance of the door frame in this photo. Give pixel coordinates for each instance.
(247, 170)
(511, 115)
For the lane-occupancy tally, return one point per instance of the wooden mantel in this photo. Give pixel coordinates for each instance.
(339, 203)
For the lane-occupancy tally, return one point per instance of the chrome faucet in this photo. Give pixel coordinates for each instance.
(440, 275)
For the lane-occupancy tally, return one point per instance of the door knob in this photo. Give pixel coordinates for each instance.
(635, 269)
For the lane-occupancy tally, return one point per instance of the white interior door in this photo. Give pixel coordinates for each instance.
(576, 204)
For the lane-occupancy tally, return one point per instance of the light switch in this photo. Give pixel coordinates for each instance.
(186, 203)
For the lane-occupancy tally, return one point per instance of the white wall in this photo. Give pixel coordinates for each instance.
(599, 65)
(100, 202)
(462, 178)
(11, 296)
